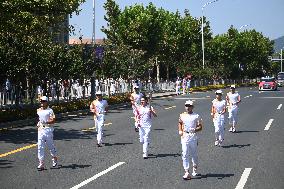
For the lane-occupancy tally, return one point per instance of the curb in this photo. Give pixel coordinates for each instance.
(60, 116)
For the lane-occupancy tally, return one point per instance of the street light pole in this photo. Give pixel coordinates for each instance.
(281, 59)
(94, 25)
(203, 61)
(202, 41)
(93, 77)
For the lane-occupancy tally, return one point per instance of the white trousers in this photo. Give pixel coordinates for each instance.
(45, 135)
(144, 137)
(219, 122)
(189, 148)
(177, 90)
(134, 109)
(99, 122)
(233, 113)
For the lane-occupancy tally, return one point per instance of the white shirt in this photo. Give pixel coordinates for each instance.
(145, 116)
(233, 98)
(137, 98)
(100, 106)
(190, 121)
(45, 115)
(219, 105)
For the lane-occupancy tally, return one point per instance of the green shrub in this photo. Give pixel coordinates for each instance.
(27, 112)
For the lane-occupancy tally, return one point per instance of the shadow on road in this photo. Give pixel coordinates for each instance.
(236, 146)
(246, 131)
(117, 144)
(19, 136)
(4, 164)
(158, 129)
(214, 175)
(29, 135)
(72, 166)
(163, 155)
(105, 135)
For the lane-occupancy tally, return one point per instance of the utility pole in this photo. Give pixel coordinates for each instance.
(281, 59)
(93, 77)
(158, 70)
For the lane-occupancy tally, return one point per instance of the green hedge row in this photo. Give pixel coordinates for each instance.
(27, 112)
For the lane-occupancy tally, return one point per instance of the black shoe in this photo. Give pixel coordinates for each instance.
(136, 129)
(99, 145)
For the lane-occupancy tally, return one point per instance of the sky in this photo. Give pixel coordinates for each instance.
(265, 16)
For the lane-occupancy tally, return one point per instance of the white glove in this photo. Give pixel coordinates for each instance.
(180, 132)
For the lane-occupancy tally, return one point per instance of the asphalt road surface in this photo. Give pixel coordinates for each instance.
(253, 157)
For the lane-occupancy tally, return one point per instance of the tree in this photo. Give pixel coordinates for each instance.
(26, 31)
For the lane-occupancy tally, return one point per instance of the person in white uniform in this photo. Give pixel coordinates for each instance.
(135, 99)
(189, 124)
(145, 115)
(178, 85)
(218, 110)
(99, 107)
(233, 99)
(45, 132)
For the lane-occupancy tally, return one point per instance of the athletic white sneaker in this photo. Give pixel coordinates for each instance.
(194, 172)
(186, 176)
(54, 162)
(145, 155)
(40, 167)
(216, 143)
(234, 130)
(231, 129)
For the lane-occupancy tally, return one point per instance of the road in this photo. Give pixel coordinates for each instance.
(253, 156)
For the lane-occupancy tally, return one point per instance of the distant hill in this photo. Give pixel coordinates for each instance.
(278, 44)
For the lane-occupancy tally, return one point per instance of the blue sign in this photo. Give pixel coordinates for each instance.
(99, 52)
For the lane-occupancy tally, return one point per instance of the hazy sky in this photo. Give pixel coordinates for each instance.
(264, 16)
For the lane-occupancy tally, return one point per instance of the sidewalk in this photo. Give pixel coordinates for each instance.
(23, 123)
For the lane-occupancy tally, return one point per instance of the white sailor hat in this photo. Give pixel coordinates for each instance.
(219, 92)
(189, 102)
(136, 87)
(99, 93)
(43, 98)
(233, 86)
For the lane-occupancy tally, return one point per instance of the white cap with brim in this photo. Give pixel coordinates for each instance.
(218, 92)
(44, 98)
(233, 86)
(99, 93)
(189, 102)
(136, 87)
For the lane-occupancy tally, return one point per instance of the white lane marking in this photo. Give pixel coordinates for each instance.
(268, 124)
(250, 95)
(279, 107)
(170, 107)
(97, 176)
(243, 179)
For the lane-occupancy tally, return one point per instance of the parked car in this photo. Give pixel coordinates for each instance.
(267, 83)
(280, 79)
